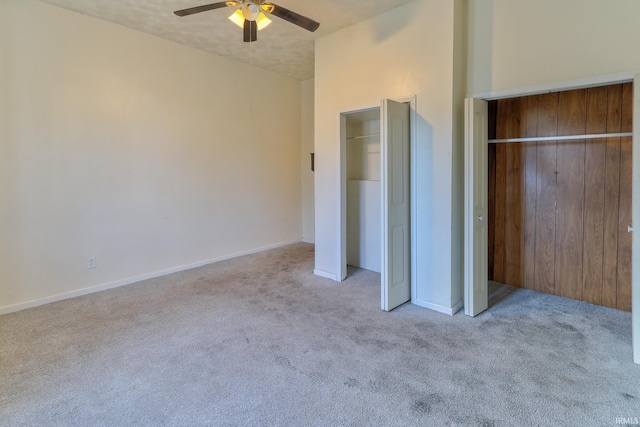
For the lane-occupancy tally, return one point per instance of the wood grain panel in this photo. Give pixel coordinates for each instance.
(624, 237)
(572, 113)
(559, 211)
(493, 117)
(595, 154)
(546, 187)
(530, 196)
(500, 205)
(611, 199)
(514, 191)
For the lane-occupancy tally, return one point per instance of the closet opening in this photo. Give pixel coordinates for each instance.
(559, 193)
(375, 201)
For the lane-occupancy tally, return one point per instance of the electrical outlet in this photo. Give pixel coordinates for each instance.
(91, 262)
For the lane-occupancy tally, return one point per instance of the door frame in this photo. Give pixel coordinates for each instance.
(342, 220)
(632, 76)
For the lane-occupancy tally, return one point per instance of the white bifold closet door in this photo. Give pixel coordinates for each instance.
(396, 233)
(475, 217)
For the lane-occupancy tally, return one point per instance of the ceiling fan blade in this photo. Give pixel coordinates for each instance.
(204, 8)
(250, 31)
(288, 15)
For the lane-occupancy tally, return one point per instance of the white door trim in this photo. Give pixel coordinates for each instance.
(631, 76)
(635, 220)
(603, 80)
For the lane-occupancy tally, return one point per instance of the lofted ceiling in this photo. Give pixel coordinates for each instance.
(282, 47)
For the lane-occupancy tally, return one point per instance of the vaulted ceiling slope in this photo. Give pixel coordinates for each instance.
(282, 47)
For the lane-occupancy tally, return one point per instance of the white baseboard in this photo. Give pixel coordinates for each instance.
(308, 241)
(439, 308)
(98, 288)
(326, 275)
(457, 307)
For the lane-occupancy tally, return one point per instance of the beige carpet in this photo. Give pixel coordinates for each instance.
(260, 340)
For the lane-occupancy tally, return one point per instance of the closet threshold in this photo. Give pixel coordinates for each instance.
(562, 138)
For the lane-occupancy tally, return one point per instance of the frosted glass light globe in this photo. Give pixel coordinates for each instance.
(250, 11)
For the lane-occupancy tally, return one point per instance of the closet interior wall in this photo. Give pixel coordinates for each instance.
(364, 203)
(559, 210)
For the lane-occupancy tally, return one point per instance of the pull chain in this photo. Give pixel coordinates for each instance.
(250, 74)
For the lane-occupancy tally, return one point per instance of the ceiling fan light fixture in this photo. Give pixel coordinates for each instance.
(238, 18)
(262, 21)
(253, 11)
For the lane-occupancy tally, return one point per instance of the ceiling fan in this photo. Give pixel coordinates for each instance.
(250, 15)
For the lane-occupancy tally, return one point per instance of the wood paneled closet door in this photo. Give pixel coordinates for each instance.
(559, 210)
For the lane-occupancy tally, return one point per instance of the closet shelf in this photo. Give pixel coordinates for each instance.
(363, 136)
(561, 138)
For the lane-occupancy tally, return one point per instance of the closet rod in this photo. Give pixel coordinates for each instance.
(561, 138)
(363, 136)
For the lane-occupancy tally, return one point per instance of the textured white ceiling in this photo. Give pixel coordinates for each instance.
(282, 47)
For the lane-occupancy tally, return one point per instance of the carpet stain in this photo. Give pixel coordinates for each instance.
(283, 362)
(628, 396)
(566, 327)
(383, 383)
(419, 342)
(477, 420)
(565, 379)
(365, 342)
(425, 405)
(468, 379)
(321, 373)
(579, 368)
(618, 330)
(352, 382)
(484, 422)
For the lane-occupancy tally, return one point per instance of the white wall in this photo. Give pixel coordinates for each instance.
(406, 51)
(530, 42)
(143, 153)
(308, 232)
